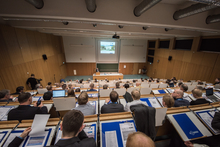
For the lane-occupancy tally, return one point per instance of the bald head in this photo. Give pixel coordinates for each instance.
(197, 93)
(135, 94)
(139, 139)
(177, 93)
(138, 84)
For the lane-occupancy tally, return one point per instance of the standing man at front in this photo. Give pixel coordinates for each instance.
(32, 82)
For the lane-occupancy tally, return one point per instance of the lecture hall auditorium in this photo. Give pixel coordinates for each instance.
(125, 73)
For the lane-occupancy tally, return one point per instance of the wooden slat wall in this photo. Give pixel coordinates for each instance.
(21, 52)
(186, 65)
(82, 69)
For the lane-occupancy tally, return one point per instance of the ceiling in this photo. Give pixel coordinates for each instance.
(105, 20)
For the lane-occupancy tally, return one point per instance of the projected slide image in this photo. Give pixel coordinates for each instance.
(107, 47)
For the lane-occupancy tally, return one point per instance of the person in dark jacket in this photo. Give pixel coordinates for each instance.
(178, 97)
(112, 106)
(32, 82)
(24, 110)
(72, 132)
(197, 93)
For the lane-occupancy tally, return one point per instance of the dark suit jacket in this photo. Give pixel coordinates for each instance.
(81, 141)
(216, 121)
(199, 101)
(112, 108)
(26, 112)
(181, 102)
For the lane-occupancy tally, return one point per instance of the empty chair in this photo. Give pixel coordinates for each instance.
(86, 86)
(111, 85)
(145, 91)
(154, 85)
(192, 80)
(105, 92)
(145, 85)
(129, 90)
(188, 83)
(190, 88)
(41, 90)
(194, 83)
(120, 91)
(203, 82)
(162, 85)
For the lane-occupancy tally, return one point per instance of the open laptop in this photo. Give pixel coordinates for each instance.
(209, 94)
(171, 84)
(59, 93)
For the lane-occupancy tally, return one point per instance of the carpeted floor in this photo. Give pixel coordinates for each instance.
(86, 77)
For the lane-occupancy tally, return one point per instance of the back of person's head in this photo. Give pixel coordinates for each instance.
(96, 80)
(217, 80)
(49, 87)
(81, 81)
(136, 94)
(72, 123)
(83, 98)
(149, 80)
(71, 93)
(200, 88)
(184, 87)
(200, 83)
(47, 95)
(197, 93)
(77, 90)
(180, 92)
(32, 75)
(49, 83)
(138, 84)
(4, 93)
(168, 100)
(117, 85)
(23, 97)
(139, 139)
(105, 86)
(114, 96)
(91, 85)
(134, 81)
(126, 86)
(64, 86)
(70, 86)
(180, 83)
(19, 89)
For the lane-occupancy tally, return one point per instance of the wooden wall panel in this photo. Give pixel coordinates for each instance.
(81, 68)
(186, 65)
(21, 55)
(128, 70)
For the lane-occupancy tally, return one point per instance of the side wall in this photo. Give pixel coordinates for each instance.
(186, 65)
(21, 55)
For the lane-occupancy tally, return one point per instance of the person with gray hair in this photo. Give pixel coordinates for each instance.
(5, 96)
(136, 100)
(178, 97)
(139, 139)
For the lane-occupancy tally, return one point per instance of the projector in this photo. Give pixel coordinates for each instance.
(115, 36)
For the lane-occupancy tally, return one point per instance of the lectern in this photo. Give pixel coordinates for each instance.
(97, 73)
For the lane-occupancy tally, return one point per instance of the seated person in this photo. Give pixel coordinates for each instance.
(70, 86)
(5, 96)
(136, 100)
(64, 87)
(138, 85)
(216, 121)
(112, 106)
(19, 90)
(49, 83)
(117, 85)
(179, 84)
(49, 88)
(77, 90)
(84, 106)
(139, 139)
(144, 70)
(92, 87)
(217, 81)
(71, 93)
(184, 87)
(48, 96)
(168, 101)
(105, 86)
(197, 93)
(24, 110)
(178, 97)
(73, 134)
(126, 86)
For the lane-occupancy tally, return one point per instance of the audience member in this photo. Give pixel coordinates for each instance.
(49, 83)
(92, 87)
(197, 93)
(184, 87)
(5, 96)
(71, 93)
(217, 81)
(32, 82)
(200, 83)
(84, 106)
(117, 85)
(64, 87)
(200, 88)
(70, 86)
(77, 90)
(168, 101)
(179, 84)
(178, 97)
(139, 139)
(19, 90)
(126, 86)
(136, 100)
(138, 85)
(48, 96)
(24, 110)
(72, 132)
(81, 81)
(105, 86)
(112, 106)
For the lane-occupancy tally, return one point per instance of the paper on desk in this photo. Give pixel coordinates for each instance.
(126, 129)
(160, 99)
(1, 136)
(4, 111)
(90, 131)
(111, 139)
(154, 103)
(156, 92)
(160, 116)
(39, 124)
(38, 140)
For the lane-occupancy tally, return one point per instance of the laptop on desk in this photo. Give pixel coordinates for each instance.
(209, 94)
(59, 93)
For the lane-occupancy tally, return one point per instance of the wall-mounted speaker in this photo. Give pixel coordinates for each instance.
(170, 58)
(44, 56)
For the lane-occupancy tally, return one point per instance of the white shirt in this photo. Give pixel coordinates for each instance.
(135, 102)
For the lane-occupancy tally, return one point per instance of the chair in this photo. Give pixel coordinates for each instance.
(105, 92)
(188, 83)
(86, 86)
(162, 85)
(191, 87)
(194, 83)
(154, 85)
(144, 117)
(41, 91)
(120, 91)
(145, 85)
(145, 91)
(129, 90)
